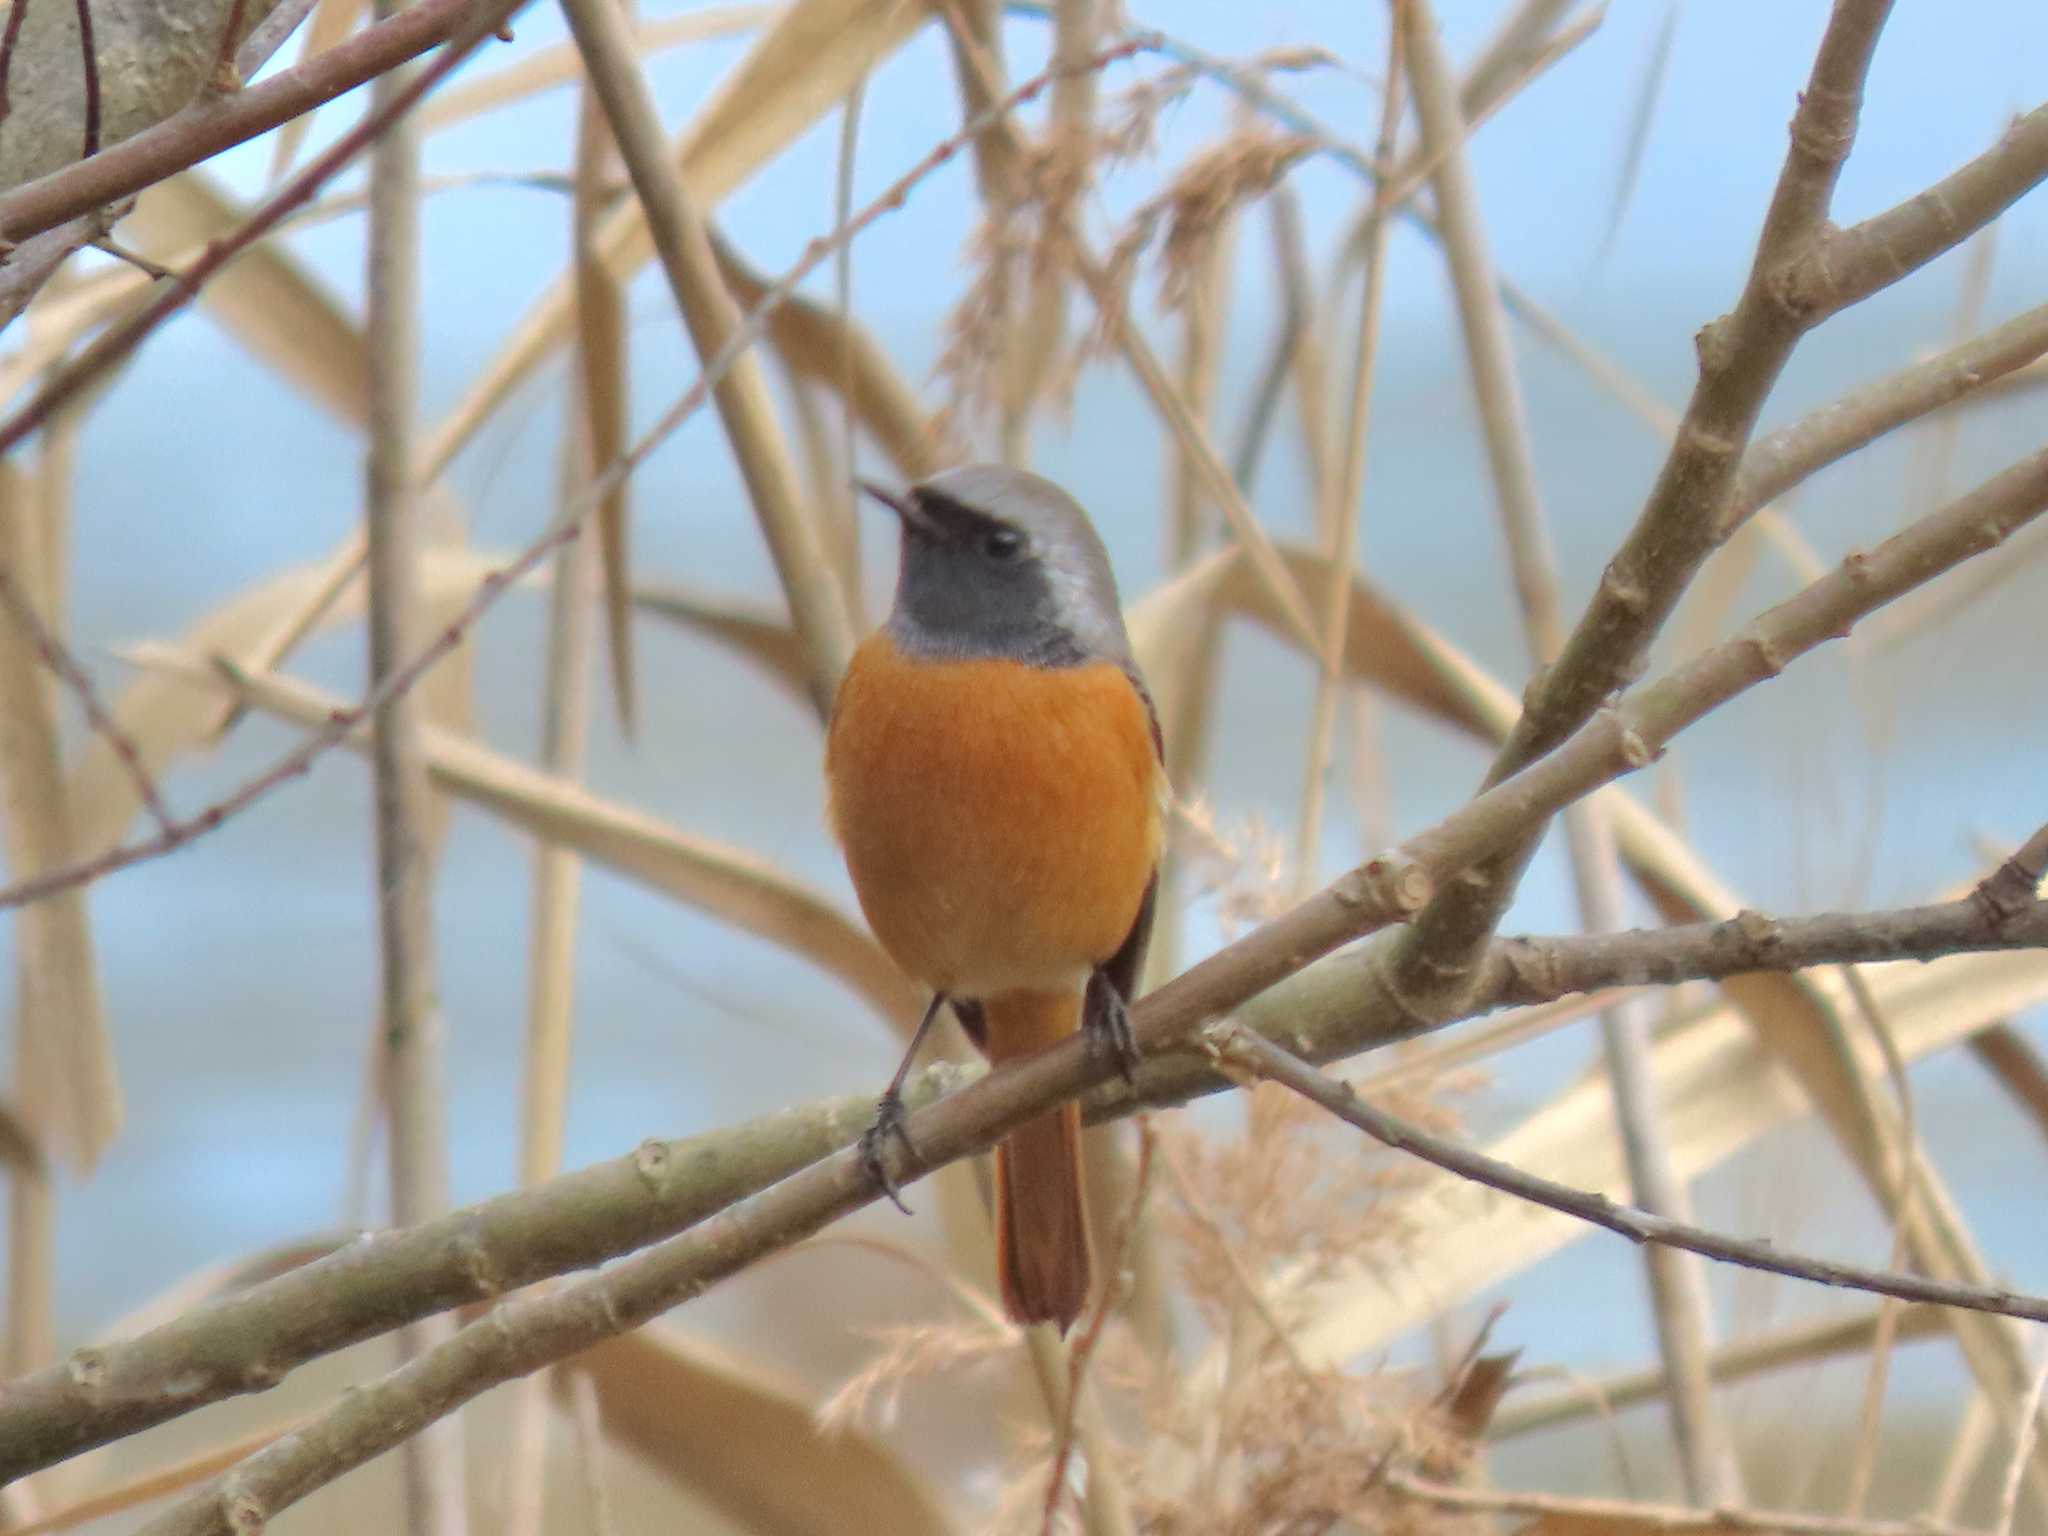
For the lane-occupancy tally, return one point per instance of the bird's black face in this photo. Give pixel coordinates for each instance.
(973, 585)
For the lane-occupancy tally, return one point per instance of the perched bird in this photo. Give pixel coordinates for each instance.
(995, 778)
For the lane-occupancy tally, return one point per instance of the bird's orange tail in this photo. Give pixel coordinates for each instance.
(1041, 1221)
(1041, 1228)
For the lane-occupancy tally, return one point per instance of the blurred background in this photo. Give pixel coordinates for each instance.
(1622, 190)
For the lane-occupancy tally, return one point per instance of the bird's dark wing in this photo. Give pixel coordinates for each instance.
(1123, 968)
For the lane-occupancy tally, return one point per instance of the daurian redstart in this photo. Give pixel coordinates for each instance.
(994, 772)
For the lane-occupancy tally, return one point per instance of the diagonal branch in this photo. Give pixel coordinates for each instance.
(251, 1339)
(1741, 356)
(214, 122)
(1238, 1049)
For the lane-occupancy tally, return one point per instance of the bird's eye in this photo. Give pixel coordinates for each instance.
(1002, 543)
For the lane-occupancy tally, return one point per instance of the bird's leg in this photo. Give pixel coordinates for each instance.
(1106, 1020)
(889, 1117)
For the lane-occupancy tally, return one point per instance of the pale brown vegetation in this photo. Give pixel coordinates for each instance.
(1287, 1341)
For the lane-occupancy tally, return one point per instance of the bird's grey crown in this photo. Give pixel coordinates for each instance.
(1052, 604)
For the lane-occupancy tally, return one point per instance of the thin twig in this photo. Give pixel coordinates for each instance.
(89, 66)
(1627, 1515)
(213, 123)
(17, 13)
(468, 30)
(1235, 1046)
(55, 655)
(224, 75)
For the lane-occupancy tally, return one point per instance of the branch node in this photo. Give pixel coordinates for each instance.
(477, 1267)
(1758, 934)
(650, 1161)
(1636, 752)
(1624, 591)
(87, 1369)
(1714, 343)
(1770, 656)
(244, 1512)
(1388, 883)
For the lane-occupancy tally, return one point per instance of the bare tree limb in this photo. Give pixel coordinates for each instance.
(1782, 459)
(214, 122)
(1846, 266)
(250, 1340)
(1252, 1054)
(1741, 355)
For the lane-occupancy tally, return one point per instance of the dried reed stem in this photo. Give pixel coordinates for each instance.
(595, 416)
(408, 1014)
(817, 604)
(1795, 1344)
(1343, 487)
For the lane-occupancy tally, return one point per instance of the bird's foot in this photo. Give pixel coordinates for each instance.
(890, 1120)
(1107, 1020)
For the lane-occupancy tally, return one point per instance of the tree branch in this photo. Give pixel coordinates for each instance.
(1252, 1054)
(214, 121)
(1741, 356)
(1794, 452)
(1847, 266)
(249, 1341)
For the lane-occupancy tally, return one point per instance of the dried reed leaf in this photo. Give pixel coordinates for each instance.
(601, 367)
(727, 882)
(447, 582)
(1380, 646)
(52, 325)
(166, 717)
(1648, 93)
(1721, 1089)
(62, 1023)
(749, 629)
(733, 1435)
(1471, 1408)
(798, 71)
(838, 353)
(332, 20)
(267, 301)
(548, 68)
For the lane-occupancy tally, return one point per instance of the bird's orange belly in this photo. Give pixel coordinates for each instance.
(1000, 821)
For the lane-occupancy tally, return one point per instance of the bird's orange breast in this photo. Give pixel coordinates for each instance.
(1000, 820)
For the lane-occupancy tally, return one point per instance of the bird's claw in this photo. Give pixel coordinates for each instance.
(1108, 1024)
(890, 1120)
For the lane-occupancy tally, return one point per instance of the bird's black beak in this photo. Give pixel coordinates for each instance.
(913, 517)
